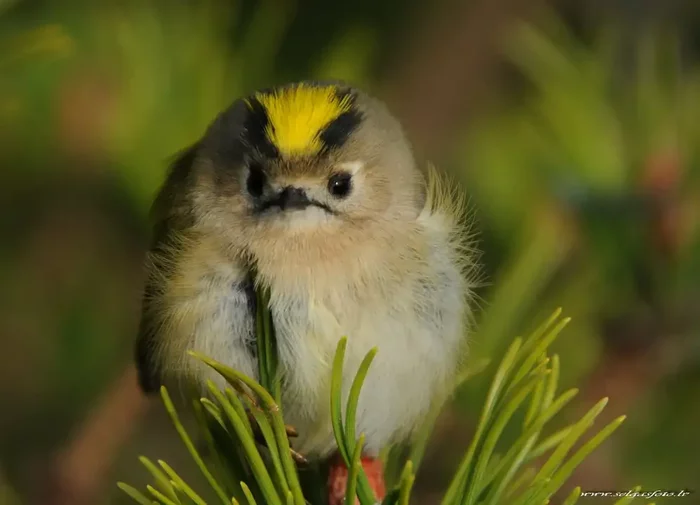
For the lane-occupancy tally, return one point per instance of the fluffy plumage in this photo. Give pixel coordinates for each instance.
(377, 254)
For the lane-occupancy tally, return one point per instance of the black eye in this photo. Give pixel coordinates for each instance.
(256, 180)
(340, 185)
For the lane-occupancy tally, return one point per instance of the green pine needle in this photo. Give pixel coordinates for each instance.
(525, 381)
(161, 479)
(573, 497)
(249, 496)
(160, 496)
(178, 483)
(345, 444)
(134, 493)
(190, 446)
(406, 484)
(354, 398)
(626, 500)
(253, 455)
(353, 469)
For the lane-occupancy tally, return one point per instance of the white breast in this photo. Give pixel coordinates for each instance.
(415, 320)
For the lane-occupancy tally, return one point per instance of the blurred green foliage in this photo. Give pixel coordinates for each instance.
(582, 170)
(586, 187)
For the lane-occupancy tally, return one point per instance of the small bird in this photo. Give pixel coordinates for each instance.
(315, 186)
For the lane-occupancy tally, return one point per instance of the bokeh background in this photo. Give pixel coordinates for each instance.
(573, 125)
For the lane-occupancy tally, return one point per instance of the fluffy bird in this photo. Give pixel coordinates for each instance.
(315, 186)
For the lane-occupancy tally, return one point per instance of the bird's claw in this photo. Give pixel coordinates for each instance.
(291, 433)
(298, 458)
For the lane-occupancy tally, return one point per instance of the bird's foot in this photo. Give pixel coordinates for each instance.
(338, 479)
(291, 433)
(298, 458)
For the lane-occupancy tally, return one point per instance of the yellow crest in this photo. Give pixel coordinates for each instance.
(298, 114)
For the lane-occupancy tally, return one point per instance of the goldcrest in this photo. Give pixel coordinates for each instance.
(316, 187)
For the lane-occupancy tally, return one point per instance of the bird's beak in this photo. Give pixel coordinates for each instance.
(292, 198)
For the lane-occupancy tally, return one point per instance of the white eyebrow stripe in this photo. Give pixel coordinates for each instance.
(352, 166)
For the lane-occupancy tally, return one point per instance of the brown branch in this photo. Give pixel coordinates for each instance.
(80, 471)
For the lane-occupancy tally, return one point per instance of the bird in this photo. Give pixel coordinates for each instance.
(315, 186)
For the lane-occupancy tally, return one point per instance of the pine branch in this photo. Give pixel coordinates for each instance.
(525, 381)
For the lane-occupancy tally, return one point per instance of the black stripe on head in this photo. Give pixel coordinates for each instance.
(336, 133)
(256, 123)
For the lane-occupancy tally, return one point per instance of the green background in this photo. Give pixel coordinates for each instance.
(573, 127)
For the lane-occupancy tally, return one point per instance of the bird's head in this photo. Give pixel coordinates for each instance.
(306, 166)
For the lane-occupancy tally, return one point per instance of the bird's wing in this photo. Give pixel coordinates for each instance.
(170, 217)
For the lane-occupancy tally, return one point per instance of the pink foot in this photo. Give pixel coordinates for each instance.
(338, 479)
